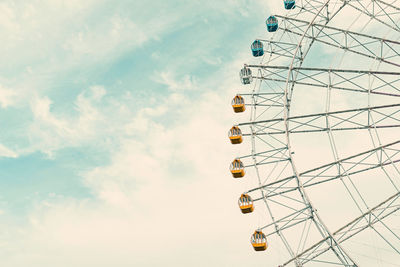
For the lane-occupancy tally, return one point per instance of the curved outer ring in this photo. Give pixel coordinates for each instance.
(285, 117)
(319, 223)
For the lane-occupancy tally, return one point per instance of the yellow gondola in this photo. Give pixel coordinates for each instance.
(237, 168)
(238, 104)
(246, 203)
(235, 135)
(259, 241)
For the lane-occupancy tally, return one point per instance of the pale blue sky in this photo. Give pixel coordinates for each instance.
(189, 43)
(100, 104)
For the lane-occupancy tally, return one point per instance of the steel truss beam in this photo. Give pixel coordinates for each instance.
(268, 157)
(281, 50)
(366, 220)
(270, 100)
(355, 164)
(358, 81)
(322, 69)
(373, 47)
(386, 116)
(266, 99)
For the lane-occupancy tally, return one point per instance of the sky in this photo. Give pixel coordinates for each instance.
(113, 144)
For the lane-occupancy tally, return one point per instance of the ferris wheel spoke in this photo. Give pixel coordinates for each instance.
(384, 83)
(267, 153)
(367, 220)
(279, 50)
(336, 87)
(268, 100)
(355, 164)
(373, 47)
(386, 116)
(268, 157)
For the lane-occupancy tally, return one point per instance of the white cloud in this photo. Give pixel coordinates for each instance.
(169, 79)
(166, 198)
(114, 35)
(7, 97)
(7, 20)
(49, 131)
(6, 152)
(162, 200)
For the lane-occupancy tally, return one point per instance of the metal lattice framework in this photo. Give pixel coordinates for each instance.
(288, 67)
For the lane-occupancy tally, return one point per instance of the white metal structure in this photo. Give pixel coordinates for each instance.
(323, 128)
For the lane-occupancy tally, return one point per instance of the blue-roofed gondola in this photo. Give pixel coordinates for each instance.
(257, 48)
(289, 4)
(272, 24)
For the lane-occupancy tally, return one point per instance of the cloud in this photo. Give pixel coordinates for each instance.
(151, 196)
(165, 198)
(7, 97)
(50, 131)
(166, 190)
(168, 78)
(117, 34)
(6, 152)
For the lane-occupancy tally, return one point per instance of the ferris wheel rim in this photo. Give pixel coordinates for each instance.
(307, 200)
(287, 134)
(286, 123)
(373, 134)
(255, 132)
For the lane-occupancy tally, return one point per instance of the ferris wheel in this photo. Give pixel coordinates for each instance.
(323, 140)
